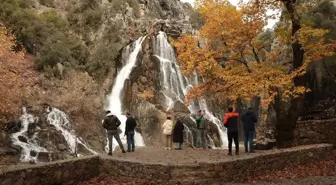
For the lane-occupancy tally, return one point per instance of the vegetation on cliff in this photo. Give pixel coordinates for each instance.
(17, 77)
(61, 36)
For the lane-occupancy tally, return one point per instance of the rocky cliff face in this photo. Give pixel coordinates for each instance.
(84, 104)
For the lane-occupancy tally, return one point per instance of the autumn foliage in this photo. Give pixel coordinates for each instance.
(233, 59)
(16, 76)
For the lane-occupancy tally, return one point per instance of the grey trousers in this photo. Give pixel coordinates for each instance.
(110, 135)
(201, 141)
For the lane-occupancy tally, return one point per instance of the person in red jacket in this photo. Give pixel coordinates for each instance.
(231, 123)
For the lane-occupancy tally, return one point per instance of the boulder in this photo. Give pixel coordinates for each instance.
(266, 144)
(23, 139)
(143, 79)
(61, 147)
(33, 153)
(14, 126)
(9, 151)
(180, 107)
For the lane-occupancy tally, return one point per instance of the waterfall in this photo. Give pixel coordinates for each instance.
(175, 86)
(60, 121)
(189, 135)
(29, 146)
(115, 105)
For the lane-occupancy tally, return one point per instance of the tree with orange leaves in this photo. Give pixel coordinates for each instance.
(16, 76)
(234, 62)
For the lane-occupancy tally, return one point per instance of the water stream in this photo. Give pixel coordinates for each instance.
(60, 121)
(175, 86)
(115, 105)
(29, 146)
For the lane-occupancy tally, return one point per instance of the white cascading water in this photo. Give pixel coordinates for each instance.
(175, 86)
(61, 122)
(30, 146)
(115, 105)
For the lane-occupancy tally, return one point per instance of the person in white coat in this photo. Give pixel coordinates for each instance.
(167, 131)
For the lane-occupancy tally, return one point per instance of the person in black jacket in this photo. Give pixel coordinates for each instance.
(249, 120)
(231, 123)
(111, 123)
(130, 131)
(178, 134)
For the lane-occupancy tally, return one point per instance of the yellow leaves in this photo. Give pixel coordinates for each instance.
(307, 34)
(146, 95)
(314, 43)
(235, 61)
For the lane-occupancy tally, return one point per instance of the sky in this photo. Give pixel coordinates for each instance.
(271, 22)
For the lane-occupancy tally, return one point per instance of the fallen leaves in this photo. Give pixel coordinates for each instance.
(321, 168)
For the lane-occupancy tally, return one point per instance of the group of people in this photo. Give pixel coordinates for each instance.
(231, 123)
(111, 123)
(173, 133)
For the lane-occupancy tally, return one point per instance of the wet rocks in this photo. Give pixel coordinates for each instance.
(33, 153)
(23, 139)
(61, 147)
(14, 126)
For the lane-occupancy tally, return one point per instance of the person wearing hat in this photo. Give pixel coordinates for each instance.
(200, 129)
(111, 123)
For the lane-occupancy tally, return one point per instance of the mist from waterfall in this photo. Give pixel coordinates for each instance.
(175, 86)
(115, 104)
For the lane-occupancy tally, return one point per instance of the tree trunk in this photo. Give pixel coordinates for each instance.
(286, 118)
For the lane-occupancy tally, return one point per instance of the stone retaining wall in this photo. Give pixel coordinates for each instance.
(73, 171)
(219, 172)
(65, 172)
(315, 131)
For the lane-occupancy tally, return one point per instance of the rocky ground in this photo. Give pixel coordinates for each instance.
(323, 172)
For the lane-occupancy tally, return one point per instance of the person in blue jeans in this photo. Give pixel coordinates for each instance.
(249, 120)
(130, 131)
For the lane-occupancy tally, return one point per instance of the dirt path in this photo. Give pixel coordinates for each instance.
(186, 156)
(189, 155)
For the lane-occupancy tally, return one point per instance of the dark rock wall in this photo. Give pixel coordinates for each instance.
(315, 131)
(66, 172)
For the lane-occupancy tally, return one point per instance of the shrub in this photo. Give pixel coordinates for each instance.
(92, 17)
(134, 4)
(103, 59)
(196, 20)
(47, 3)
(46, 35)
(118, 6)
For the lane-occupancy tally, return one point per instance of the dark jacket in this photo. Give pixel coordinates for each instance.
(249, 120)
(130, 125)
(231, 122)
(178, 132)
(111, 123)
